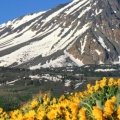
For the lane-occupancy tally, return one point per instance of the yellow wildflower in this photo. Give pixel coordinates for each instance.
(111, 82)
(96, 87)
(1, 110)
(113, 99)
(88, 86)
(108, 108)
(54, 100)
(97, 113)
(103, 82)
(34, 103)
(118, 82)
(82, 114)
(52, 114)
(41, 115)
(118, 112)
(30, 115)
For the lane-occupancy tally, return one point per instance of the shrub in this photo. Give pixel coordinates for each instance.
(98, 102)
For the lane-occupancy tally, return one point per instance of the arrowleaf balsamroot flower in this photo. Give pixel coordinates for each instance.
(98, 102)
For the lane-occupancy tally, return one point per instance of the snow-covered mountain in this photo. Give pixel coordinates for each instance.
(76, 33)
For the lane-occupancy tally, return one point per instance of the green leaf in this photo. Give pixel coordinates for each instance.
(118, 99)
(99, 104)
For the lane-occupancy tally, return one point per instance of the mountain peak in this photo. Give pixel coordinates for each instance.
(80, 32)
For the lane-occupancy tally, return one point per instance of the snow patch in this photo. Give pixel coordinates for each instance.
(67, 83)
(34, 77)
(84, 11)
(102, 43)
(77, 85)
(98, 12)
(78, 5)
(98, 52)
(58, 62)
(11, 82)
(83, 43)
(104, 70)
(75, 60)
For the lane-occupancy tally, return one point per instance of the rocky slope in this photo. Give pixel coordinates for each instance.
(77, 33)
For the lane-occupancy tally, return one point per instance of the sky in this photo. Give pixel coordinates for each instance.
(11, 9)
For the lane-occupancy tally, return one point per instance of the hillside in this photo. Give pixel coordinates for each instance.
(73, 34)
